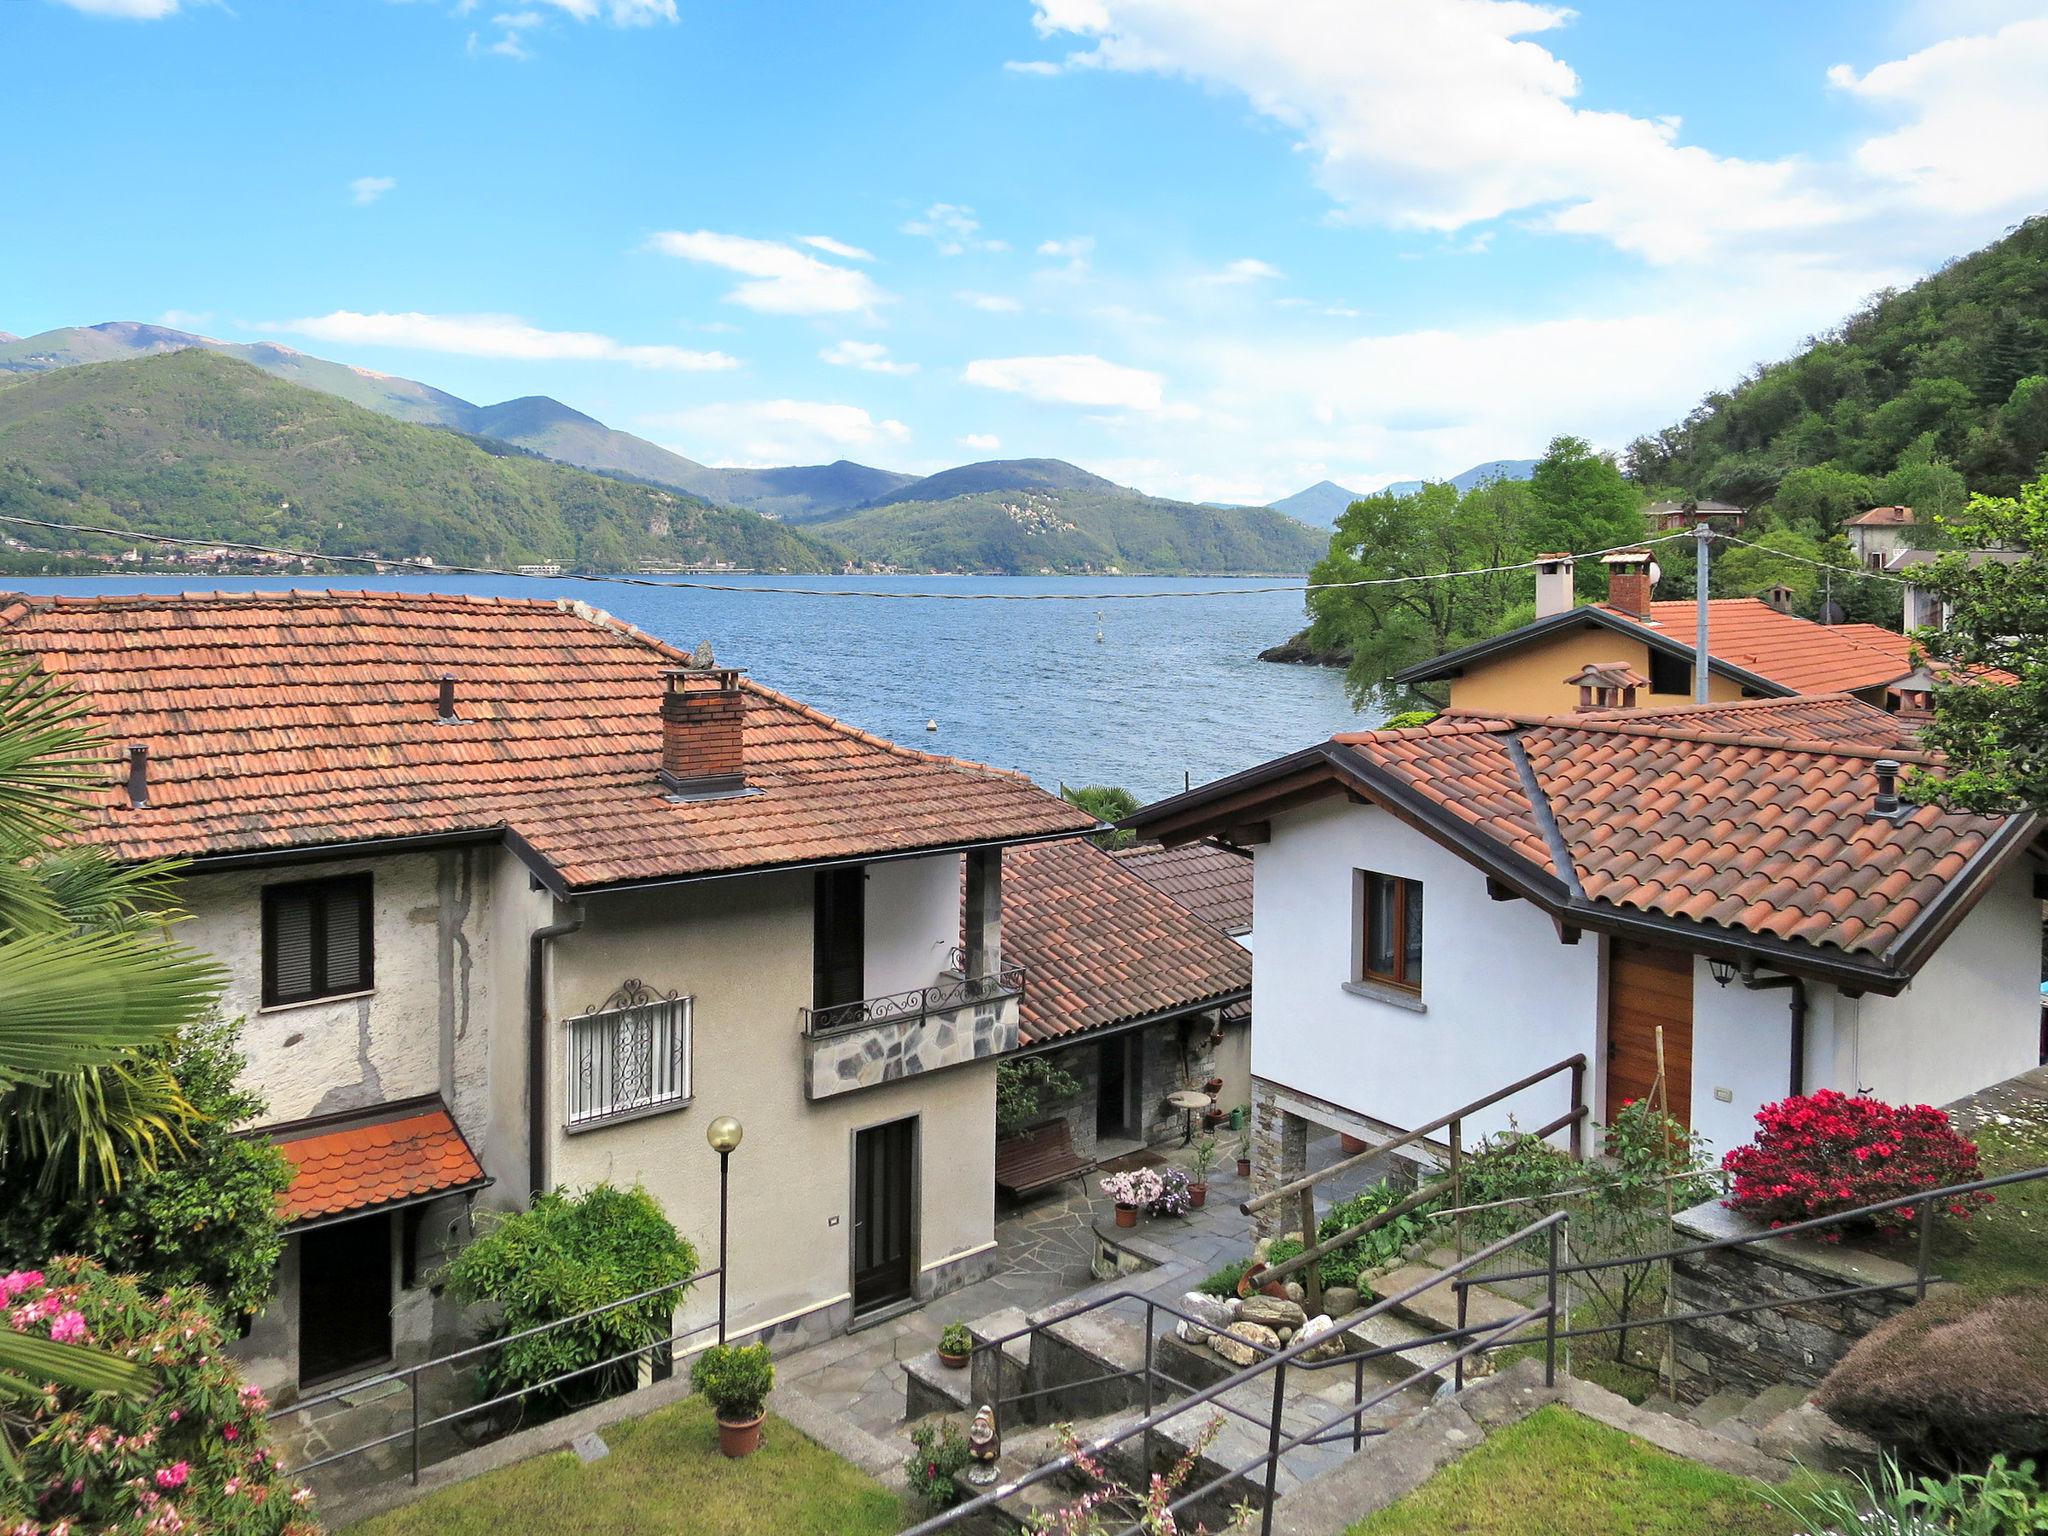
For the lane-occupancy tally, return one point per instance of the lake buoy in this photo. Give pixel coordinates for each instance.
(931, 725)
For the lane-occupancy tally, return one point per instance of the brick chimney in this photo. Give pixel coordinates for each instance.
(1631, 573)
(1553, 585)
(703, 743)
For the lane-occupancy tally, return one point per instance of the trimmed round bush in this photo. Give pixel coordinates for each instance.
(1952, 1381)
(1821, 1153)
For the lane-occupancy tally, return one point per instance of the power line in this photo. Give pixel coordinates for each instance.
(715, 586)
(1825, 565)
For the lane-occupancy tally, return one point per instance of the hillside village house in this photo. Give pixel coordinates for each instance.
(1132, 993)
(1442, 910)
(1924, 607)
(1754, 649)
(512, 896)
(1878, 534)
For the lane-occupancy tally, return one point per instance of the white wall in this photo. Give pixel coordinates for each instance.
(913, 921)
(1972, 1016)
(1503, 996)
(1741, 1043)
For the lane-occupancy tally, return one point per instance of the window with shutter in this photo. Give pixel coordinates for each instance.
(317, 939)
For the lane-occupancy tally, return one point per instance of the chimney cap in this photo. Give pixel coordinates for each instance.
(1557, 557)
(678, 678)
(1627, 557)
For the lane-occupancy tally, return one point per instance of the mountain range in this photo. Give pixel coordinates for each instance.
(1324, 502)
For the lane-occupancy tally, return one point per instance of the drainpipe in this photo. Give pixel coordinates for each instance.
(537, 1044)
(1798, 1013)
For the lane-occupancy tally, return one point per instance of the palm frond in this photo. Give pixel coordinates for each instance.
(90, 889)
(80, 1130)
(80, 1367)
(72, 1001)
(50, 757)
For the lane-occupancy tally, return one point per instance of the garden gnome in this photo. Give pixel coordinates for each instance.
(984, 1446)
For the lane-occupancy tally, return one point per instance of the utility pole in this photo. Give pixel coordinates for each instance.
(1701, 533)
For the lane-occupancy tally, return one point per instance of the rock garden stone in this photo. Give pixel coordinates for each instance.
(1242, 1343)
(1274, 1312)
(1295, 1292)
(1322, 1327)
(1340, 1300)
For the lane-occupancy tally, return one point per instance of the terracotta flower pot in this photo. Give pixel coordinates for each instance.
(1351, 1145)
(1197, 1193)
(1244, 1167)
(1127, 1215)
(741, 1439)
(953, 1362)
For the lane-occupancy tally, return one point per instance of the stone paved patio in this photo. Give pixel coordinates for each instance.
(1047, 1250)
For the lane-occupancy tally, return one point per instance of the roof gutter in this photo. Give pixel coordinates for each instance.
(538, 943)
(1125, 1026)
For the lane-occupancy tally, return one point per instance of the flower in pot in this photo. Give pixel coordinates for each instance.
(1205, 1159)
(1244, 1153)
(955, 1345)
(1133, 1191)
(735, 1378)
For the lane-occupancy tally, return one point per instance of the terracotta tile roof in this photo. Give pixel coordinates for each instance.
(381, 1158)
(1822, 718)
(1102, 946)
(1881, 517)
(1210, 879)
(280, 720)
(1709, 816)
(1792, 652)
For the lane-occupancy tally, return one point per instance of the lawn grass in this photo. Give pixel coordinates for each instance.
(664, 1477)
(2005, 1244)
(1557, 1471)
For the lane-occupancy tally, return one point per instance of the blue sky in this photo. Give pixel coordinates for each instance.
(1213, 248)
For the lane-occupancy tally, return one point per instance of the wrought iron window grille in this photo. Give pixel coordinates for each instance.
(628, 1056)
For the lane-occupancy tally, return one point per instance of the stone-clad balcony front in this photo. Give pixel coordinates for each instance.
(958, 1018)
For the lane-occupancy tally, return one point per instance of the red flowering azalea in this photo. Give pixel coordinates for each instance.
(1820, 1153)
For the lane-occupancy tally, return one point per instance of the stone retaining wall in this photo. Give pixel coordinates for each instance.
(1796, 1342)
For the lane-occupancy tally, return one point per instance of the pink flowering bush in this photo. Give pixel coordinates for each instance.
(191, 1458)
(1825, 1152)
(1162, 1191)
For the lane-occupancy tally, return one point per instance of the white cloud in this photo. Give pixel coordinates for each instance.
(367, 189)
(1072, 379)
(782, 279)
(756, 432)
(620, 13)
(833, 247)
(1031, 66)
(125, 10)
(1246, 269)
(1068, 250)
(185, 319)
(868, 356)
(953, 228)
(989, 303)
(494, 336)
(515, 25)
(981, 442)
(1974, 119)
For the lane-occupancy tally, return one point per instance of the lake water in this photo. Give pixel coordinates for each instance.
(1173, 689)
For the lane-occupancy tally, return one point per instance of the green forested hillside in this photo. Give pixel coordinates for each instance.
(1026, 532)
(1954, 369)
(201, 445)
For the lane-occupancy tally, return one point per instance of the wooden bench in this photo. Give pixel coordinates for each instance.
(1037, 1159)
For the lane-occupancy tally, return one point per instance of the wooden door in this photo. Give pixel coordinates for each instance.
(884, 1214)
(1116, 1089)
(1648, 987)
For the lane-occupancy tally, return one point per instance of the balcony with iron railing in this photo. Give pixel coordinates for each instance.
(962, 1016)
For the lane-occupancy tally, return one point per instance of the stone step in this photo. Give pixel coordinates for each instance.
(1385, 1329)
(1436, 1309)
(1713, 1412)
(931, 1386)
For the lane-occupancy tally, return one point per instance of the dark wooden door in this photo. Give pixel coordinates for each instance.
(839, 915)
(1116, 1089)
(884, 1214)
(1648, 987)
(344, 1298)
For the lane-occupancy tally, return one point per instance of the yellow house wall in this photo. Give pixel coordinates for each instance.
(1530, 678)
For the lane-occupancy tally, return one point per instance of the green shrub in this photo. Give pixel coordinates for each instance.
(565, 1255)
(192, 1455)
(1376, 1249)
(937, 1462)
(1952, 1381)
(735, 1379)
(1027, 1088)
(1223, 1282)
(2002, 1500)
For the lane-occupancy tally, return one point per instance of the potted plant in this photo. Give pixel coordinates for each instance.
(736, 1378)
(1175, 1195)
(1205, 1159)
(937, 1468)
(1139, 1188)
(955, 1345)
(1351, 1145)
(1244, 1151)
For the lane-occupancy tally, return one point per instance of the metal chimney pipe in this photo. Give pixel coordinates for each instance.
(1887, 802)
(138, 777)
(447, 698)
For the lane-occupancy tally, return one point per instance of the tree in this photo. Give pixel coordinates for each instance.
(1823, 496)
(1385, 537)
(1995, 734)
(87, 985)
(1105, 802)
(1578, 501)
(208, 1216)
(1750, 570)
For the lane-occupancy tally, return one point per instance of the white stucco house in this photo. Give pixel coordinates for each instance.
(512, 896)
(1741, 876)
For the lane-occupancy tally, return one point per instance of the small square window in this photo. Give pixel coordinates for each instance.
(628, 1061)
(1390, 930)
(318, 939)
(1668, 674)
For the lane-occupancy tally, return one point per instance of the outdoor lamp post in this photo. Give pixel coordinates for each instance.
(724, 1134)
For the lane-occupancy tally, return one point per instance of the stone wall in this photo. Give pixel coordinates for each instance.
(1160, 1073)
(1798, 1342)
(851, 1059)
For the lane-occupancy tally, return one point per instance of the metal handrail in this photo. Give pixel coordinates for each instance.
(920, 1003)
(1276, 1362)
